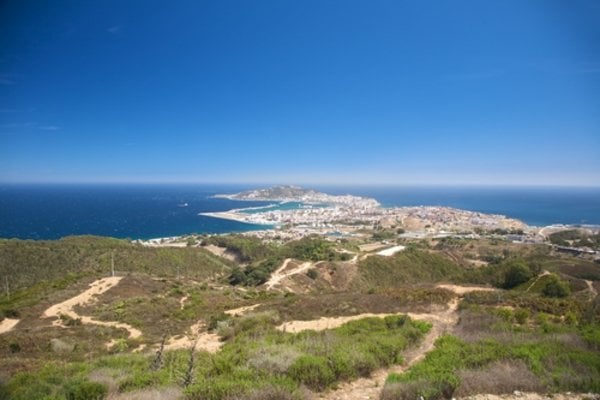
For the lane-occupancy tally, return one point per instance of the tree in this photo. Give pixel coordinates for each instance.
(517, 272)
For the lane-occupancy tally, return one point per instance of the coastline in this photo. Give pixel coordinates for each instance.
(38, 212)
(235, 215)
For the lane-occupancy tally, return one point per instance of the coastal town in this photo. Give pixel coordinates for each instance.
(296, 213)
(323, 213)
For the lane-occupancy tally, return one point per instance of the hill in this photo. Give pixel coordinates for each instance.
(326, 319)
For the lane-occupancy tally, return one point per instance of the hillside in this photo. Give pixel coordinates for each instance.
(325, 320)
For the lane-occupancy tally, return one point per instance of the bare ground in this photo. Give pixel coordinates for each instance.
(85, 298)
(281, 273)
(7, 324)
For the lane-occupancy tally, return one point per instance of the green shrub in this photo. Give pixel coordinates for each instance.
(85, 390)
(312, 273)
(521, 315)
(274, 359)
(313, 371)
(556, 288)
(14, 347)
(517, 272)
(591, 334)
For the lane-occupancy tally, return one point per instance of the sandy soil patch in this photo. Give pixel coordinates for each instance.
(206, 341)
(241, 310)
(371, 246)
(391, 251)
(165, 242)
(324, 322)
(279, 275)
(461, 290)
(182, 302)
(7, 324)
(88, 297)
(592, 289)
(201, 340)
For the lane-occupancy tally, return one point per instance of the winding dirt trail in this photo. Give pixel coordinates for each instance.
(370, 387)
(88, 297)
(545, 273)
(206, 341)
(200, 340)
(279, 275)
(592, 289)
(182, 302)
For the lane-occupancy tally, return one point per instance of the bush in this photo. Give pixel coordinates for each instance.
(521, 315)
(498, 378)
(85, 390)
(416, 390)
(275, 359)
(556, 288)
(312, 274)
(14, 347)
(313, 371)
(517, 272)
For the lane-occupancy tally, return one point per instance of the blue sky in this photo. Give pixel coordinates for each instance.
(401, 92)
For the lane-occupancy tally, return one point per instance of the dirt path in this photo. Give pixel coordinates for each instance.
(592, 289)
(241, 310)
(370, 387)
(206, 341)
(88, 297)
(182, 302)
(8, 324)
(279, 275)
(537, 279)
(390, 251)
(203, 340)
(462, 290)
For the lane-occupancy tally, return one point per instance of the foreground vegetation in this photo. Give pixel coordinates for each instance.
(511, 342)
(256, 358)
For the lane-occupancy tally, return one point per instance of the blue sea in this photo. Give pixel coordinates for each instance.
(150, 211)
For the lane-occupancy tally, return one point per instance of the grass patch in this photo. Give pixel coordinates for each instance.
(408, 267)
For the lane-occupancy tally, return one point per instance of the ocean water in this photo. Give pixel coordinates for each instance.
(150, 211)
(137, 212)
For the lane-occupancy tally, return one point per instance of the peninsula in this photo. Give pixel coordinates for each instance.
(321, 213)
